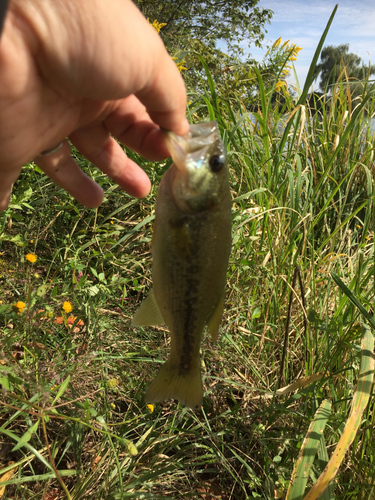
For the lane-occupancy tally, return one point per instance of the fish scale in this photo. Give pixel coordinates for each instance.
(190, 248)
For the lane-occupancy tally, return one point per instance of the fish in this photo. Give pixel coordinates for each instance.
(191, 245)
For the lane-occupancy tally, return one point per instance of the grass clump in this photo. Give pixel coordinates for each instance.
(73, 423)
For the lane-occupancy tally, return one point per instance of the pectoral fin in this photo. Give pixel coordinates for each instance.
(214, 321)
(149, 313)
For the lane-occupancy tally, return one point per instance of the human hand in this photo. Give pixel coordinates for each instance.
(87, 71)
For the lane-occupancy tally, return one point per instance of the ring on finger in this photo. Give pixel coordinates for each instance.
(49, 152)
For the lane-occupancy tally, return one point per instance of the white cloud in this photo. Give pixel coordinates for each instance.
(291, 11)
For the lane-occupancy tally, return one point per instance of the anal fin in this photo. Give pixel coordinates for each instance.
(214, 321)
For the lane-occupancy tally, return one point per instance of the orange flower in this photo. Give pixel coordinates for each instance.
(19, 306)
(31, 257)
(67, 306)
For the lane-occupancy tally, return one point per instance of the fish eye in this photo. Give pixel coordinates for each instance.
(216, 163)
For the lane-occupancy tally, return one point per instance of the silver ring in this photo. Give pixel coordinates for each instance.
(52, 151)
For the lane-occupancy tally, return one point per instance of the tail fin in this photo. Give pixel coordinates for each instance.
(171, 383)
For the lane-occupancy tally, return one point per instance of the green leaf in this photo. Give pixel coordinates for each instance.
(249, 195)
(30, 448)
(256, 313)
(354, 299)
(4, 308)
(62, 389)
(94, 272)
(17, 239)
(42, 290)
(26, 437)
(4, 381)
(93, 290)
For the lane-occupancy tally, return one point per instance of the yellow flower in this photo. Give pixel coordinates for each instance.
(158, 26)
(358, 226)
(111, 221)
(31, 257)
(279, 85)
(180, 65)
(19, 306)
(277, 43)
(151, 407)
(31, 241)
(67, 306)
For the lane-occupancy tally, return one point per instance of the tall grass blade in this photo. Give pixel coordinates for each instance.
(310, 74)
(308, 451)
(329, 492)
(40, 477)
(354, 299)
(360, 400)
(309, 79)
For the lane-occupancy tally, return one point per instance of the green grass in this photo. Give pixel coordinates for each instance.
(71, 407)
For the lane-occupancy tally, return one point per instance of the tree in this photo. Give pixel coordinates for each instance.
(210, 21)
(192, 27)
(338, 63)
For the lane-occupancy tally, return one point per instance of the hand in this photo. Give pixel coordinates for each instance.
(88, 71)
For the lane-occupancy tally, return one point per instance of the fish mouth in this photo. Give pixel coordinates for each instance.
(191, 150)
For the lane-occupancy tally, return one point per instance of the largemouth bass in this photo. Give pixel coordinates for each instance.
(190, 248)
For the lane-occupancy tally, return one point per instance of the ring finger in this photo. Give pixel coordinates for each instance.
(64, 171)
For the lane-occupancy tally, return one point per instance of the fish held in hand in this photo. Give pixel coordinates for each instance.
(190, 247)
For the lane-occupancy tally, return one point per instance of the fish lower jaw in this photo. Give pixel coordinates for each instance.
(172, 383)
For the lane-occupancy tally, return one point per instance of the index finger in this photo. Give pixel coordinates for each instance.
(128, 58)
(165, 96)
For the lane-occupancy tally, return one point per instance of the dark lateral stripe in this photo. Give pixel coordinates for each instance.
(187, 351)
(190, 320)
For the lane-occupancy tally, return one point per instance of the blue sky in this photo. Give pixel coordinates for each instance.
(303, 22)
